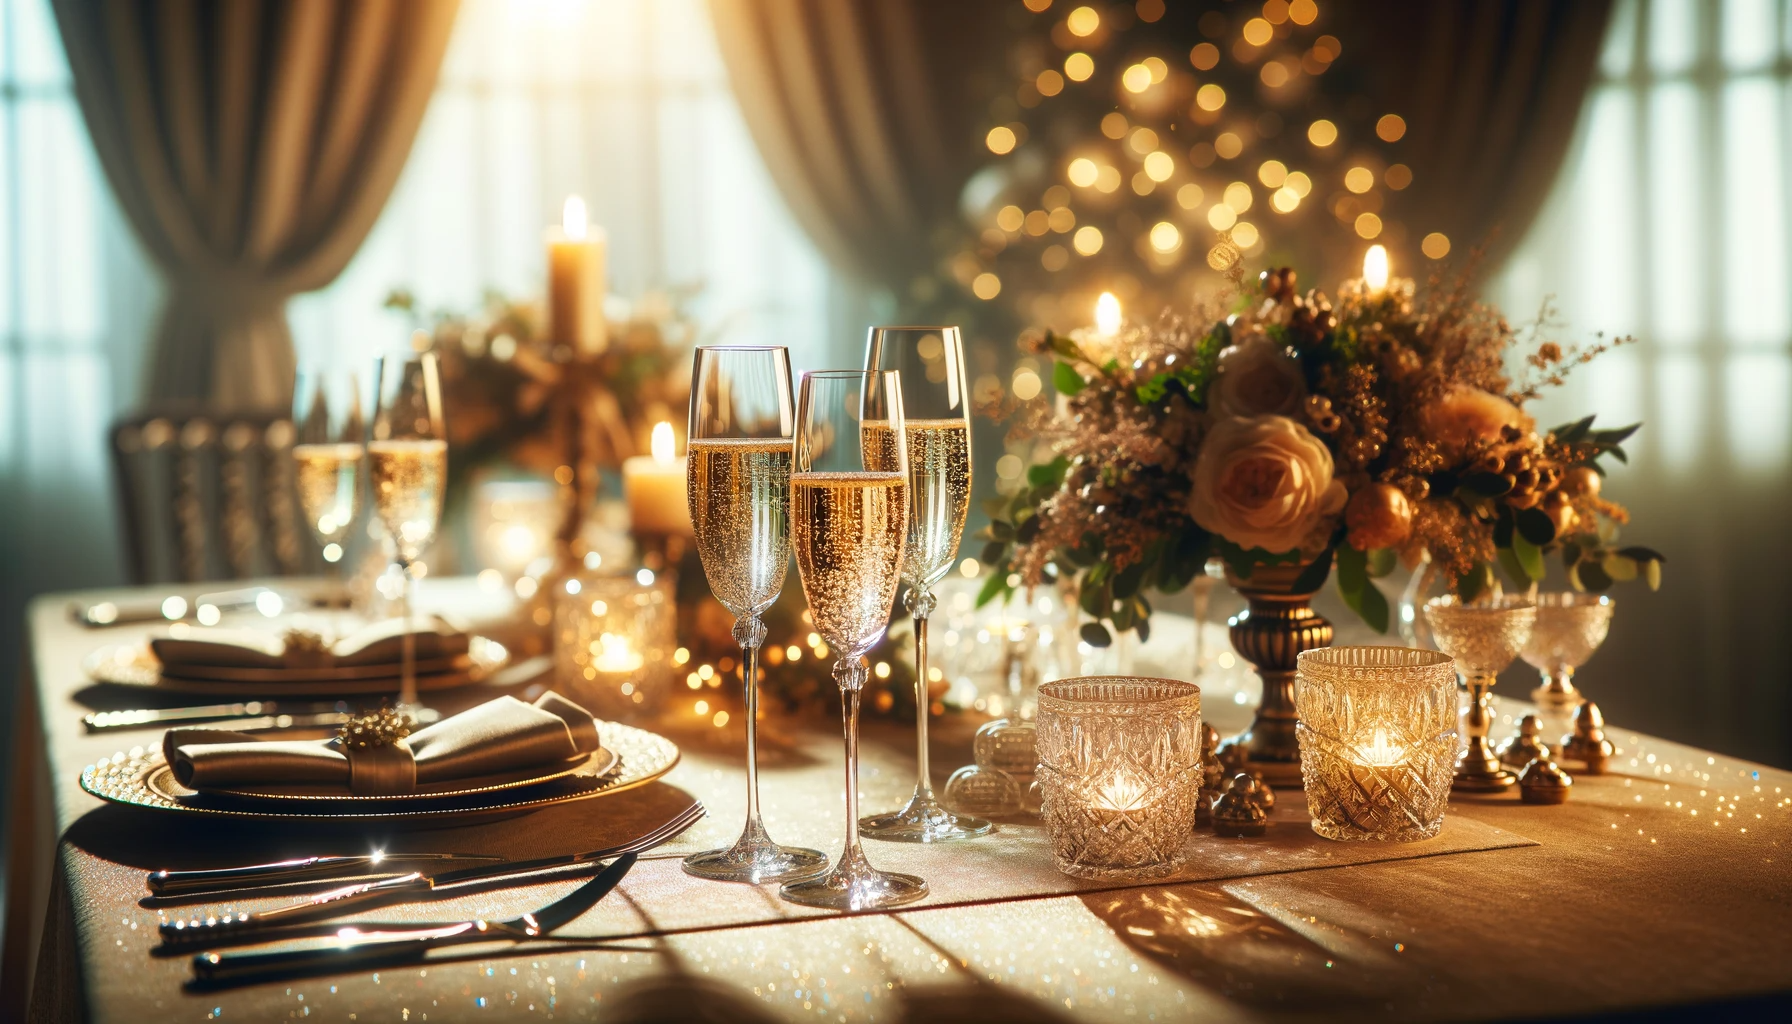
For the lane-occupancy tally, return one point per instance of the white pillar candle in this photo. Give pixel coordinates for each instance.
(576, 282)
(655, 487)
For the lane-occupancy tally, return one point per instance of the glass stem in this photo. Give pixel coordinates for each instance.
(924, 776)
(849, 713)
(407, 661)
(749, 656)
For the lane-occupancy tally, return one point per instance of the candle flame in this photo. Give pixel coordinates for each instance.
(574, 220)
(1107, 314)
(614, 654)
(663, 444)
(1375, 267)
(1124, 792)
(1378, 751)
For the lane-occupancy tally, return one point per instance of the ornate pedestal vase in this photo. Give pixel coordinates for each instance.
(1271, 634)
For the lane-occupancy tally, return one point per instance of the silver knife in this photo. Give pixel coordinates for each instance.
(266, 925)
(131, 718)
(358, 950)
(170, 883)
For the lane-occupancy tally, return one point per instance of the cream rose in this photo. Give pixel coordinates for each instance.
(1263, 482)
(1256, 377)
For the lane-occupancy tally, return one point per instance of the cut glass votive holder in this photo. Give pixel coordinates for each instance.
(1377, 733)
(1119, 773)
(613, 644)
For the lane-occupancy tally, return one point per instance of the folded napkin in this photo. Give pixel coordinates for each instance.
(378, 643)
(498, 736)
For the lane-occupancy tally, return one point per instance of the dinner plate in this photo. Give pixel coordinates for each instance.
(136, 665)
(638, 758)
(163, 782)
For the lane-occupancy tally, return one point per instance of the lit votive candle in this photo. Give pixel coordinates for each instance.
(1119, 769)
(614, 643)
(655, 487)
(1377, 734)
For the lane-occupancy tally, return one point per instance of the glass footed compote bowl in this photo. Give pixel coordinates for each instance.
(1484, 637)
(1570, 627)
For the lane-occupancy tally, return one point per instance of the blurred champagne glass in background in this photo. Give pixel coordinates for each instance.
(329, 456)
(407, 454)
(849, 525)
(936, 423)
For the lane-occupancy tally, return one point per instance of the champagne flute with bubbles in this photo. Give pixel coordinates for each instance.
(738, 485)
(329, 457)
(849, 526)
(407, 455)
(936, 422)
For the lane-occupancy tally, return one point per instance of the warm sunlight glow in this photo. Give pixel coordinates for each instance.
(1107, 315)
(1375, 267)
(573, 219)
(664, 444)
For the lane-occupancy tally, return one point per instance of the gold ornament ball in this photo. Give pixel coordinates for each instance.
(1378, 516)
(1581, 480)
(1563, 516)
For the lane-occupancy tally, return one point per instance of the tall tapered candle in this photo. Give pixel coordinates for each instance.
(576, 282)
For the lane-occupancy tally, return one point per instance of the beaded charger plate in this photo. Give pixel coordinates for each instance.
(636, 757)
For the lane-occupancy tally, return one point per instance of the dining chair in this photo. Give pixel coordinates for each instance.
(206, 496)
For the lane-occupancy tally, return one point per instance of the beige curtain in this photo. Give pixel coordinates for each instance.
(251, 144)
(1491, 91)
(859, 108)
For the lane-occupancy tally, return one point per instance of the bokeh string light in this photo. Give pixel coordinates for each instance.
(1179, 140)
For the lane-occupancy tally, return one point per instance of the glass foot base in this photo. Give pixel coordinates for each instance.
(755, 862)
(922, 820)
(855, 885)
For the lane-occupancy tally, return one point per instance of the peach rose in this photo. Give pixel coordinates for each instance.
(1264, 482)
(1256, 377)
(1468, 416)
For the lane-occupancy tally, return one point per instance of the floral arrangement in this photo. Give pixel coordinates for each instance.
(1290, 431)
(500, 373)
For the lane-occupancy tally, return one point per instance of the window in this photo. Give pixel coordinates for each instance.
(1673, 225)
(625, 102)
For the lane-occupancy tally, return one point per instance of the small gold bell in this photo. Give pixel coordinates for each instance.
(1238, 813)
(1542, 782)
(1587, 743)
(1526, 745)
(1211, 775)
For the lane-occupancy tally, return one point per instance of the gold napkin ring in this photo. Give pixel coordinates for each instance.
(380, 762)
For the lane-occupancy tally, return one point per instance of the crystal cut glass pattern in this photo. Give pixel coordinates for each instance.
(1119, 770)
(1570, 627)
(1377, 737)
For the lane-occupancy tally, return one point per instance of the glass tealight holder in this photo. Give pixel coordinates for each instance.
(613, 644)
(1377, 735)
(1119, 771)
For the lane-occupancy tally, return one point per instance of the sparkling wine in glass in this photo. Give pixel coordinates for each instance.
(849, 527)
(738, 484)
(407, 455)
(936, 423)
(329, 457)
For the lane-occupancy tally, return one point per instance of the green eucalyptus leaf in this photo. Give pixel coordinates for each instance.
(1142, 628)
(993, 553)
(1473, 583)
(1313, 576)
(1619, 568)
(1514, 570)
(1642, 554)
(1129, 579)
(1616, 435)
(1593, 576)
(1503, 528)
(1095, 634)
(1374, 607)
(1382, 562)
(1530, 556)
(1066, 380)
(1535, 526)
(1048, 474)
(995, 584)
(1353, 572)
(1001, 529)
(1027, 530)
(1652, 573)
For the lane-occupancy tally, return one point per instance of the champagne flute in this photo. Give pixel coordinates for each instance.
(329, 457)
(849, 524)
(937, 425)
(408, 463)
(738, 484)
